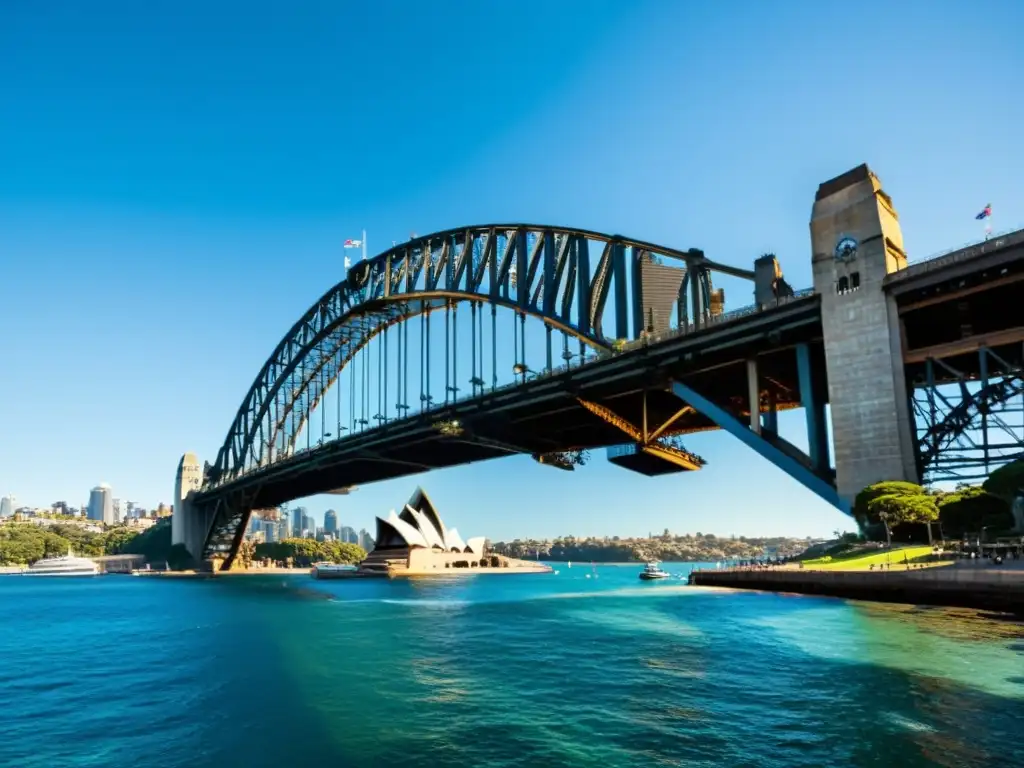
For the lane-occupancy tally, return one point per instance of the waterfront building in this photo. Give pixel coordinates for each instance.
(331, 523)
(101, 504)
(7, 506)
(417, 542)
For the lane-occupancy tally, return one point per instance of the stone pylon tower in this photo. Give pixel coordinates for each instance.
(856, 242)
(185, 527)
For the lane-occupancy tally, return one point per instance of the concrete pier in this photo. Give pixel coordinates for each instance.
(982, 588)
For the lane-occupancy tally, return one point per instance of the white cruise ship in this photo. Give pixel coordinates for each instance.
(65, 565)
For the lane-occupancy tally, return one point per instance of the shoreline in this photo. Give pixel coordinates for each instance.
(976, 588)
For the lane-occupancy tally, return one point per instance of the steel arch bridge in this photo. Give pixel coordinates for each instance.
(552, 274)
(591, 292)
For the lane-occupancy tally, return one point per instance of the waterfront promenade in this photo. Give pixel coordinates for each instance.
(963, 584)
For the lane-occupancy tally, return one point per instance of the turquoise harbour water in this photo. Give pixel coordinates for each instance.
(529, 670)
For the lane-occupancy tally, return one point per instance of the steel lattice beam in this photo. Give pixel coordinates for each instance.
(544, 272)
(968, 428)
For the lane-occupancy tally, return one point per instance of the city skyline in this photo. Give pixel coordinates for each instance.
(217, 215)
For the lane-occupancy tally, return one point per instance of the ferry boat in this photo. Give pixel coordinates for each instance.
(652, 572)
(65, 565)
(332, 571)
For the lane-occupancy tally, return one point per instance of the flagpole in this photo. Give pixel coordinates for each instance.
(364, 245)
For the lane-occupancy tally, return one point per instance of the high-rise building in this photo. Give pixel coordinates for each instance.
(7, 506)
(308, 526)
(117, 511)
(331, 522)
(101, 504)
(366, 540)
(298, 516)
(348, 535)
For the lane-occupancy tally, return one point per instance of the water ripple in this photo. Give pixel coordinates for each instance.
(510, 671)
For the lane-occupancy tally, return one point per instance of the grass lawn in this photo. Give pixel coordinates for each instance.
(864, 562)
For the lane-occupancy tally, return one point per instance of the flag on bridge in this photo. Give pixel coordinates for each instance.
(353, 243)
(985, 213)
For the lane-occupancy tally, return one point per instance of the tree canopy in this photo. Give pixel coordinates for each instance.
(969, 509)
(900, 508)
(305, 552)
(1007, 482)
(866, 514)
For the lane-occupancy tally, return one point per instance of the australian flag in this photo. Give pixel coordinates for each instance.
(985, 213)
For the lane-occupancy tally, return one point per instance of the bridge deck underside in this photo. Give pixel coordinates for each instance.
(545, 415)
(953, 313)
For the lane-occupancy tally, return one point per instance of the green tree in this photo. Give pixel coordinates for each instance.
(900, 509)
(968, 510)
(115, 540)
(1007, 482)
(862, 512)
(305, 552)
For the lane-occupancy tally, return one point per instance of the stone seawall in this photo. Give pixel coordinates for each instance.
(986, 589)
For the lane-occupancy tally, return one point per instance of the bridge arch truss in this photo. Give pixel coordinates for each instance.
(583, 285)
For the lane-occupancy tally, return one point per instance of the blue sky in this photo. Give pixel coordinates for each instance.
(176, 180)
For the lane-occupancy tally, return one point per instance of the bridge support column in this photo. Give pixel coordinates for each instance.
(856, 241)
(189, 523)
(814, 410)
(779, 452)
(754, 396)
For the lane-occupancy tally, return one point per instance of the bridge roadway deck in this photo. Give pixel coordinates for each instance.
(544, 414)
(951, 306)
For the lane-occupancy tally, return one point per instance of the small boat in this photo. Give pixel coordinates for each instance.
(652, 572)
(332, 570)
(65, 565)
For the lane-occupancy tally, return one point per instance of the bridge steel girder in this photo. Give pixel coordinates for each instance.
(968, 423)
(534, 270)
(806, 470)
(640, 367)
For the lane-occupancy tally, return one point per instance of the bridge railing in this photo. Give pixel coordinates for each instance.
(725, 317)
(963, 252)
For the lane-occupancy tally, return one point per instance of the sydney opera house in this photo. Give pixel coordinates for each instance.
(417, 543)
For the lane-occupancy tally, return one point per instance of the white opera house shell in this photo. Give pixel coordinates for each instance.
(417, 542)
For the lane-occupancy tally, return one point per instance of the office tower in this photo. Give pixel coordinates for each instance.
(348, 534)
(101, 504)
(298, 514)
(7, 505)
(331, 522)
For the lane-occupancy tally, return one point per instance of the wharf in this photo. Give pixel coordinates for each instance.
(980, 587)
